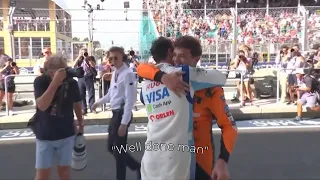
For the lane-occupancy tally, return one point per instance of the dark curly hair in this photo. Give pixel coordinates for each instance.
(159, 49)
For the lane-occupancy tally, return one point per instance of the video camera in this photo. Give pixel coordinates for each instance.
(131, 53)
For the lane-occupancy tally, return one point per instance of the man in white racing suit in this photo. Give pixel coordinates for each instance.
(169, 150)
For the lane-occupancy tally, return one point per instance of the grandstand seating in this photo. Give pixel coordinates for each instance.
(255, 26)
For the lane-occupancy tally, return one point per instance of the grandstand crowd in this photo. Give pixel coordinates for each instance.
(276, 26)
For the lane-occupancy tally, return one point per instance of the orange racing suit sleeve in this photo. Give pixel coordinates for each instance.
(149, 71)
(220, 109)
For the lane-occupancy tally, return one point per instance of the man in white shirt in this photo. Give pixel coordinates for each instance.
(122, 96)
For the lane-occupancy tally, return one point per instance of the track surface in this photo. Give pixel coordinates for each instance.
(266, 149)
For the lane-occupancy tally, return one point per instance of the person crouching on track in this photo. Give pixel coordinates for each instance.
(305, 92)
(53, 124)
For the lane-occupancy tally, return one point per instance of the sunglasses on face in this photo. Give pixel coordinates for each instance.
(113, 58)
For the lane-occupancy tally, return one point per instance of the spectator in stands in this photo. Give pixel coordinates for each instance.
(88, 63)
(253, 27)
(316, 59)
(306, 92)
(38, 68)
(10, 68)
(282, 60)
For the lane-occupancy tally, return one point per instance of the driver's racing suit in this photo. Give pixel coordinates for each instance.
(170, 151)
(208, 104)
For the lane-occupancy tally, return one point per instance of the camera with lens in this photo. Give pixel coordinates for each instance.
(84, 56)
(131, 53)
(242, 57)
(75, 72)
(311, 57)
(281, 53)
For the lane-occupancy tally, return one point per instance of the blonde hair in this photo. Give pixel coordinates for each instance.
(55, 62)
(244, 48)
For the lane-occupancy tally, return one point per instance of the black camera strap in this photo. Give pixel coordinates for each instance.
(92, 70)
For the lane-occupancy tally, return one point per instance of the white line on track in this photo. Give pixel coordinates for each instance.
(215, 130)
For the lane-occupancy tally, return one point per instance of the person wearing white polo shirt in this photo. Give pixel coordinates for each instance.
(121, 95)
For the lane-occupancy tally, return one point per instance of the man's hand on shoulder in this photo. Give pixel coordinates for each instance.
(175, 83)
(220, 170)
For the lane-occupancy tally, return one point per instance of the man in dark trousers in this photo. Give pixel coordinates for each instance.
(87, 82)
(122, 96)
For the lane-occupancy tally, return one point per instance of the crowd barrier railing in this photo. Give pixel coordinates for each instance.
(6, 87)
(103, 87)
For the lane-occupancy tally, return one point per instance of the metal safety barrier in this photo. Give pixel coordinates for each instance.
(6, 88)
(103, 87)
(221, 70)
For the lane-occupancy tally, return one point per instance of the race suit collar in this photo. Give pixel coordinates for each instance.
(164, 63)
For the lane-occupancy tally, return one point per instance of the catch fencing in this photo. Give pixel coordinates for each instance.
(220, 31)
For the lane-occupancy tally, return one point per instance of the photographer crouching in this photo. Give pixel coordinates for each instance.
(86, 83)
(10, 68)
(57, 97)
(306, 92)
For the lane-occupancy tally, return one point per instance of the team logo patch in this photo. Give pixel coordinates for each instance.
(149, 108)
(201, 70)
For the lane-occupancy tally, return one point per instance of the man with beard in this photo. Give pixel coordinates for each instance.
(208, 104)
